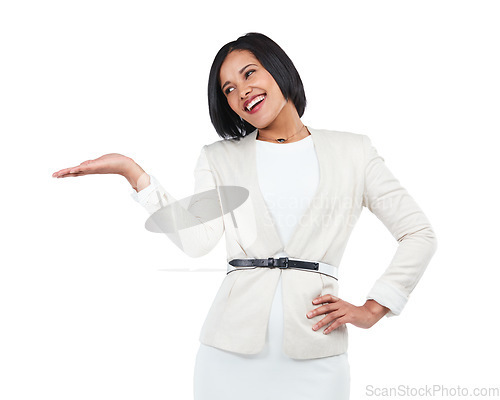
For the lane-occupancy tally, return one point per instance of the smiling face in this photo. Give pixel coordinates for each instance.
(250, 89)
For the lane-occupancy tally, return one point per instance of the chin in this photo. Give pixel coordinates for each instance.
(262, 123)
(260, 126)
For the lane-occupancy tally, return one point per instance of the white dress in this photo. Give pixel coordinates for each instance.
(288, 177)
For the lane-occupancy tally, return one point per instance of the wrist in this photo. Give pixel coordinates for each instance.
(136, 176)
(376, 310)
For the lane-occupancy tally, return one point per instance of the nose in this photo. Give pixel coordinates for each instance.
(244, 92)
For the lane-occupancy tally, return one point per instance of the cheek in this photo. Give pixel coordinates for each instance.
(278, 101)
(233, 104)
(279, 96)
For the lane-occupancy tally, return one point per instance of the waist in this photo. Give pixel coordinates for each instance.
(283, 263)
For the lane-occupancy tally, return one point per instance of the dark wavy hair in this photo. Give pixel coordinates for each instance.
(227, 123)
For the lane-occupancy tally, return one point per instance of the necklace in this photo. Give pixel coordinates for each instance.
(282, 140)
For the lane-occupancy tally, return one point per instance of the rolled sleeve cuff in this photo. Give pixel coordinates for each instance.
(388, 296)
(142, 195)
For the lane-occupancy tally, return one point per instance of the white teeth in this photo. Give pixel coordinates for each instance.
(254, 101)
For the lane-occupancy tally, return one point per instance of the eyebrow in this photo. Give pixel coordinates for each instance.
(240, 71)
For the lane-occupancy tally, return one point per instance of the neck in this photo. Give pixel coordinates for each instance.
(286, 124)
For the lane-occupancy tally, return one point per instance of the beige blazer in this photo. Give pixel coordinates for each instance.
(352, 176)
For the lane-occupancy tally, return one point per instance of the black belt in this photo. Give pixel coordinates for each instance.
(282, 262)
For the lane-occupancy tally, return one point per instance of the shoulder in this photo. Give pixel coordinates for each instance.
(344, 142)
(340, 137)
(350, 147)
(222, 144)
(228, 145)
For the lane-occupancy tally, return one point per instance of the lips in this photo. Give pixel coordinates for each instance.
(250, 101)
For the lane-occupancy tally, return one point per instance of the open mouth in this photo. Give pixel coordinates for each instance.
(255, 102)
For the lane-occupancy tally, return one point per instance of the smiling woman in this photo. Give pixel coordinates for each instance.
(277, 327)
(254, 71)
(254, 85)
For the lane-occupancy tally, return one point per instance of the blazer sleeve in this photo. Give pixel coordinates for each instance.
(195, 224)
(392, 204)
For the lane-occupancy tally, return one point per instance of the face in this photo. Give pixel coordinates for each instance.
(250, 89)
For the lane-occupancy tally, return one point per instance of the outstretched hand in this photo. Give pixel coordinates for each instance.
(341, 312)
(112, 163)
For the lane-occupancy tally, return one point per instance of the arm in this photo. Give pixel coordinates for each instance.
(196, 240)
(390, 202)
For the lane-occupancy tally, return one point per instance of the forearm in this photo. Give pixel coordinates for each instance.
(193, 226)
(385, 197)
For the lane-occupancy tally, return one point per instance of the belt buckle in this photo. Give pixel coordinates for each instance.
(286, 262)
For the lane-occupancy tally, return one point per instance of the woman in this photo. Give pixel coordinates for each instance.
(261, 338)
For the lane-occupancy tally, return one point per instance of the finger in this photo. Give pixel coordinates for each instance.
(68, 174)
(322, 310)
(335, 324)
(330, 317)
(80, 170)
(60, 172)
(84, 168)
(63, 171)
(325, 298)
(323, 322)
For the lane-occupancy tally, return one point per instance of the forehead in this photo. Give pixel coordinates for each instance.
(235, 61)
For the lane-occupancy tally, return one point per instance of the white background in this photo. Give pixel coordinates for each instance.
(85, 299)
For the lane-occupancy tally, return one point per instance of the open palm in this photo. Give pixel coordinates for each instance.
(112, 163)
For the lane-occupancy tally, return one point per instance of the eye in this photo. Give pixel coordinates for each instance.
(247, 74)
